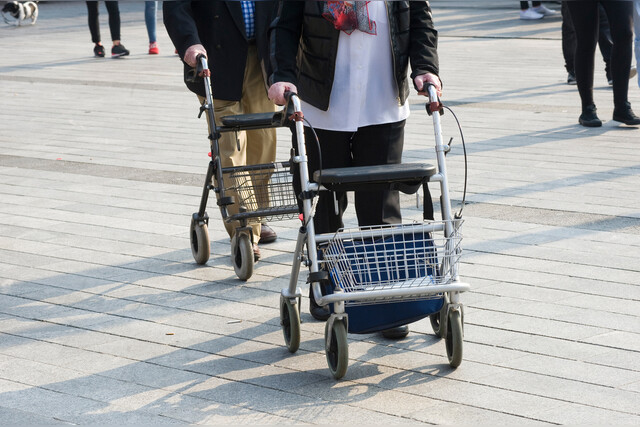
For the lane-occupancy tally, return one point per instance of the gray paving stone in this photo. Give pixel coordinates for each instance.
(580, 371)
(96, 271)
(23, 417)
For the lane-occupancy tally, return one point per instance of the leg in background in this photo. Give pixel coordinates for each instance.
(114, 20)
(94, 24)
(568, 40)
(150, 12)
(636, 28)
(584, 16)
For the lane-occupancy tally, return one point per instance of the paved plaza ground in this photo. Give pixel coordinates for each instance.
(106, 318)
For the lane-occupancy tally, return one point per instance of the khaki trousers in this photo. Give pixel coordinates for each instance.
(256, 146)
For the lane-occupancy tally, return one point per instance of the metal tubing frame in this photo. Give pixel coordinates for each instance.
(213, 137)
(307, 236)
(390, 231)
(307, 233)
(215, 165)
(445, 199)
(293, 291)
(453, 289)
(394, 293)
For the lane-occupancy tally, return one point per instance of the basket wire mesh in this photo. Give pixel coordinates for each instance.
(265, 193)
(400, 256)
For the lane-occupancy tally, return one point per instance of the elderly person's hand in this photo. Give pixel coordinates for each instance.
(277, 91)
(191, 55)
(423, 80)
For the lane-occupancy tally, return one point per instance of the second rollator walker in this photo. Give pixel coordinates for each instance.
(263, 192)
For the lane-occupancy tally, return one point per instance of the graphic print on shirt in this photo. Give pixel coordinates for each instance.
(349, 16)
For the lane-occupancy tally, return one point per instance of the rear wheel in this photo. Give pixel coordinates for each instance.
(200, 245)
(435, 323)
(337, 350)
(439, 320)
(453, 339)
(242, 256)
(290, 321)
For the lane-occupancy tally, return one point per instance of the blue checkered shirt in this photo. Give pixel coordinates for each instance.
(248, 13)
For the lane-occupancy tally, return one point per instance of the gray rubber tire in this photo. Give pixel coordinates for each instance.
(290, 321)
(439, 320)
(242, 256)
(435, 323)
(337, 351)
(453, 340)
(200, 244)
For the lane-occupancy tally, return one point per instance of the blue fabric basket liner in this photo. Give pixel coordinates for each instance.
(369, 318)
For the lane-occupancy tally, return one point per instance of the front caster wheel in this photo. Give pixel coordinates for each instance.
(453, 339)
(242, 256)
(200, 245)
(337, 349)
(290, 321)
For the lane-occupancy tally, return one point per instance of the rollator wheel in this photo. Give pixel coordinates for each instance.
(337, 351)
(290, 321)
(200, 245)
(435, 323)
(242, 256)
(453, 340)
(439, 320)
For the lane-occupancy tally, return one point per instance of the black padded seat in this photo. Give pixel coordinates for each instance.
(252, 121)
(405, 177)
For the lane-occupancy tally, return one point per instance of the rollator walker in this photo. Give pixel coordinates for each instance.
(262, 192)
(378, 277)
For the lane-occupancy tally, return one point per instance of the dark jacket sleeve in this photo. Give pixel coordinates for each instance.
(284, 39)
(180, 24)
(423, 48)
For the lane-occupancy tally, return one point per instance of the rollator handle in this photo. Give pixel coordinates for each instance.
(434, 102)
(290, 113)
(202, 67)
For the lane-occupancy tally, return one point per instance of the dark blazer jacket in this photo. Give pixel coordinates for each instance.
(219, 27)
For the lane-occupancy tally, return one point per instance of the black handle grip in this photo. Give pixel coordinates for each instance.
(195, 74)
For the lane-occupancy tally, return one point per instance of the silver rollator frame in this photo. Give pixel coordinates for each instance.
(307, 235)
(381, 264)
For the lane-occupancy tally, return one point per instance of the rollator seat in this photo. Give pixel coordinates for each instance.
(405, 177)
(253, 121)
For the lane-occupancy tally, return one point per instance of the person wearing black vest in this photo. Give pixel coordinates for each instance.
(349, 62)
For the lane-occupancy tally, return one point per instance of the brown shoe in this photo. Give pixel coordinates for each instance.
(267, 235)
(256, 252)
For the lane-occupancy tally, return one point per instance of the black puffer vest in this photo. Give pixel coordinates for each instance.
(304, 46)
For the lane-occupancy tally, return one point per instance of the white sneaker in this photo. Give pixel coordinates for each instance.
(544, 11)
(530, 14)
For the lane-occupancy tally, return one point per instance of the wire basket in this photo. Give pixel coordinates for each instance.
(264, 192)
(393, 256)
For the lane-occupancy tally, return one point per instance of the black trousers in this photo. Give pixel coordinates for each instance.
(368, 146)
(569, 40)
(114, 20)
(585, 18)
(525, 4)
